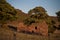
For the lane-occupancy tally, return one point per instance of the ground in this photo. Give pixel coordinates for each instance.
(8, 34)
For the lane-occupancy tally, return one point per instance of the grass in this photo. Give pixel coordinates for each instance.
(54, 37)
(8, 34)
(22, 36)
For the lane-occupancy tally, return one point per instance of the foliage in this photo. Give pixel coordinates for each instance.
(51, 29)
(53, 22)
(58, 15)
(29, 21)
(38, 14)
(21, 15)
(7, 12)
(36, 10)
(51, 26)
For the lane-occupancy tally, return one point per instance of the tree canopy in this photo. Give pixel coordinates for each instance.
(37, 14)
(58, 15)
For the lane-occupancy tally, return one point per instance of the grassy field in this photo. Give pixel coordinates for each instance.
(7, 34)
(54, 37)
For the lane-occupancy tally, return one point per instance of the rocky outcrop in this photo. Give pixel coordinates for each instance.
(37, 28)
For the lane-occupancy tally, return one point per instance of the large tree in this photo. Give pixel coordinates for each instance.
(38, 14)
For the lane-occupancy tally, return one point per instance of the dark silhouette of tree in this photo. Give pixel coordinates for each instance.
(58, 15)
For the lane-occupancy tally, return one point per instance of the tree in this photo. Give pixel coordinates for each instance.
(58, 15)
(38, 14)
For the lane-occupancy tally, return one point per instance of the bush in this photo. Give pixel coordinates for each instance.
(51, 29)
(29, 21)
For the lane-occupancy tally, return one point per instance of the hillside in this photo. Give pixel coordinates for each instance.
(7, 12)
(34, 25)
(8, 34)
(21, 15)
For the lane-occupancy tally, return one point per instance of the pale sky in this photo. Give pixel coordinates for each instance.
(52, 6)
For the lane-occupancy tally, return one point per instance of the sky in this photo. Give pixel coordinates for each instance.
(52, 6)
